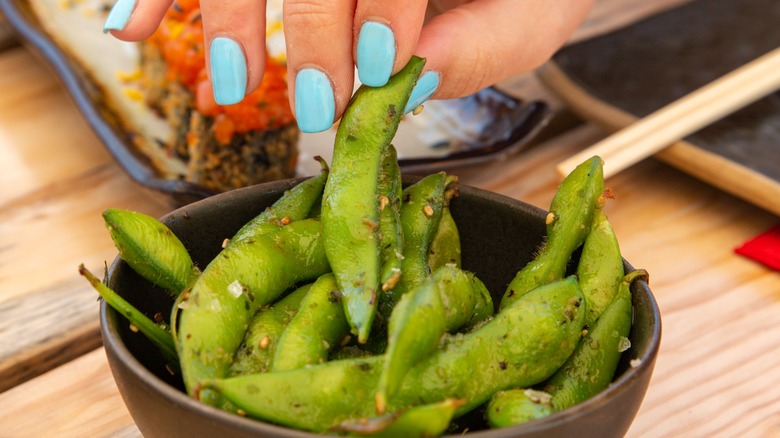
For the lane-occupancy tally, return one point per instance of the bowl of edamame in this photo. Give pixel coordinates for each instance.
(361, 302)
(501, 372)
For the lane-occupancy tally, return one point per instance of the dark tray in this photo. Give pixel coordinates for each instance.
(629, 73)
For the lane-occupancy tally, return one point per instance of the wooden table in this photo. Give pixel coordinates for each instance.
(716, 374)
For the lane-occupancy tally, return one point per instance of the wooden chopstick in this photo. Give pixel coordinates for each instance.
(683, 116)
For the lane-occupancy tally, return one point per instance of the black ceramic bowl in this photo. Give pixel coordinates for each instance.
(499, 236)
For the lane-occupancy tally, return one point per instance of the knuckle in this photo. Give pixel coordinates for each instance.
(309, 14)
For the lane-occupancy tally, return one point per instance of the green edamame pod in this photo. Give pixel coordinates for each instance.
(348, 352)
(521, 346)
(600, 269)
(390, 231)
(350, 207)
(159, 336)
(296, 204)
(423, 421)
(151, 249)
(440, 304)
(517, 406)
(421, 212)
(262, 336)
(319, 325)
(568, 223)
(242, 278)
(445, 244)
(484, 308)
(591, 368)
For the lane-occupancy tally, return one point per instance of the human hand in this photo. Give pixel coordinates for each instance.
(468, 45)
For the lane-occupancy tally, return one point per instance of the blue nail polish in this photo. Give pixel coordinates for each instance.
(425, 87)
(315, 105)
(119, 16)
(228, 71)
(375, 54)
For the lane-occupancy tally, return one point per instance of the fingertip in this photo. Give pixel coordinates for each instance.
(315, 104)
(228, 70)
(132, 20)
(425, 87)
(119, 16)
(375, 53)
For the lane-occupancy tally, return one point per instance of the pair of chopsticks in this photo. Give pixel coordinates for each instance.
(683, 116)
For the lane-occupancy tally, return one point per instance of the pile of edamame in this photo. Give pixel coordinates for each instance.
(342, 308)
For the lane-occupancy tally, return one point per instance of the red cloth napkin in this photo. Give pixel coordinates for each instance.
(764, 248)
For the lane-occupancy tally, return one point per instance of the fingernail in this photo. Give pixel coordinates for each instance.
(119, 16)
(375, 54)
(425, 87)
(315, 106)
(228, 71)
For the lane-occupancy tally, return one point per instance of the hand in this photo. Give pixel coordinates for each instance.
(469, 45)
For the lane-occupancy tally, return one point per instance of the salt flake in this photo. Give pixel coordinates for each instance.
(235, 289)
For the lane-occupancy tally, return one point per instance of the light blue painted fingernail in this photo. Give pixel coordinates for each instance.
(425, 87)
(315, 106)
(228, 71)
(375, 53)
(119, 16)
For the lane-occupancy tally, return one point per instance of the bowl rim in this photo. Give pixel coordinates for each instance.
(113, 341)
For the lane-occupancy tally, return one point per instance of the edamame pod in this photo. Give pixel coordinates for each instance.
(517, 406)
(442, 303)
(390, 231)
(421, 211)
(262, 336)
(318, 326)
(159, 336)
(521, 346)
(445, 244)
(568, 223)
(429, 420)
(296, 204)
(239, 281)
(592, 366)
(600, 269)
(151, 249)
(350, 207)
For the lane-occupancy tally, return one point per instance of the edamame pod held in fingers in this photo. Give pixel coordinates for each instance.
(151, 249)
(568, 223)
(350, 207)
(239, 281)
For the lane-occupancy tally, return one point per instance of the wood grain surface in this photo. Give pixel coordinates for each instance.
(56, 178)
(716, 374)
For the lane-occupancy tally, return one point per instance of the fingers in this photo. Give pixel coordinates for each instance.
(386, 35)
(131, 20)
(234, 36)
(480, 43)
(318, 35)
